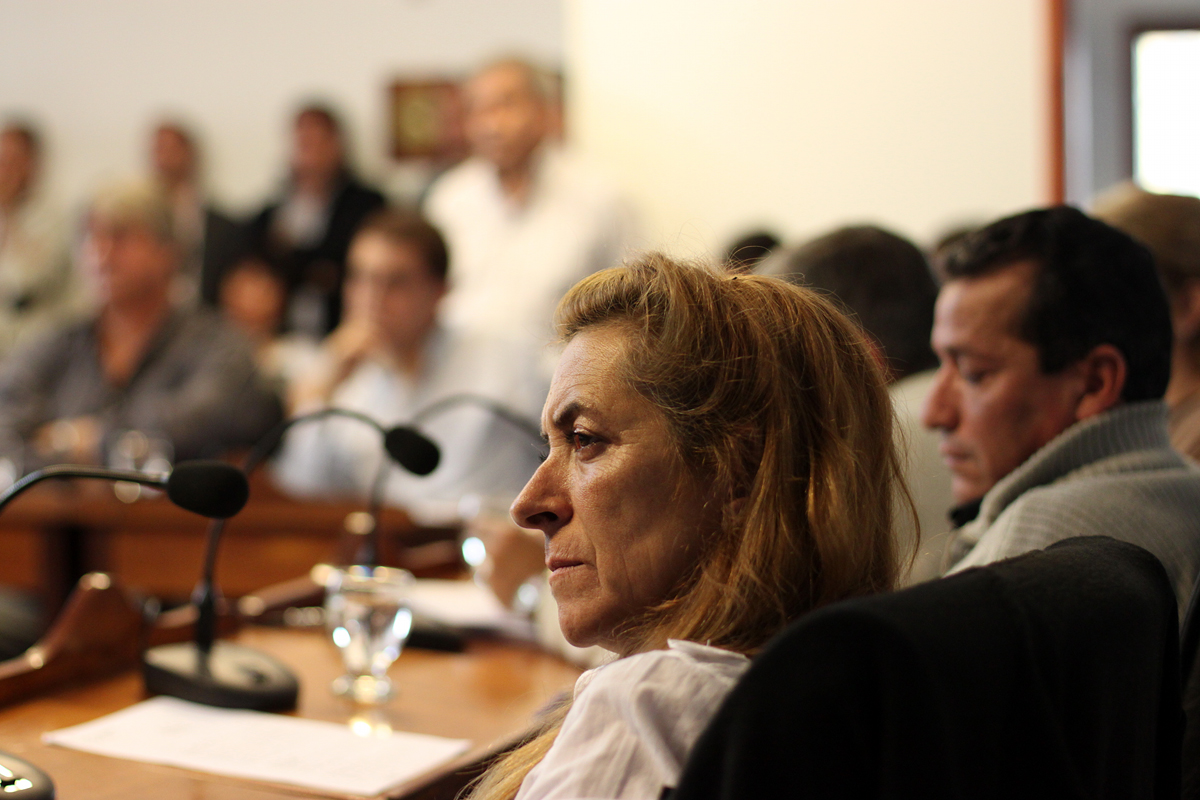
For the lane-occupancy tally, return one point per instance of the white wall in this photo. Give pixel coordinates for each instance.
(95, 74)
(805, 114)
(716, 114)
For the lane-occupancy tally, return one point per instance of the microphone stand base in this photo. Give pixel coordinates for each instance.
(230, 676)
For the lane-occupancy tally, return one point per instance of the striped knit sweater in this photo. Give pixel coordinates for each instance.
(1111, 475)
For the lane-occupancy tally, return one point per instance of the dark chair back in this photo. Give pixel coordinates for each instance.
(1054, 674)
(1189, 649)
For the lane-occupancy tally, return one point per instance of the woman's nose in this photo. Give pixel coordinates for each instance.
(543, 504)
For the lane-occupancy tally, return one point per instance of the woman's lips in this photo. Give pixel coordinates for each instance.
(555, 563)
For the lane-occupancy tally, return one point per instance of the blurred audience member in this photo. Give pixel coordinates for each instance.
(524, 219)
(208, 240)
(139, 364)
(746, 251)
(882, 279)
(253, 297)
(390, 358)
(38, 288)
(885, 283)
(1170, 226)
(1054, 335)
(951, 238)
(307, 231)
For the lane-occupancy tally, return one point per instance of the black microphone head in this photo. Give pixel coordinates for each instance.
(412, 450)
(209, 488)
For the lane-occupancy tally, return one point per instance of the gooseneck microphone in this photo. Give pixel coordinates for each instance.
(231, 676)
(208, 488)
(406, 446)
(412, 450)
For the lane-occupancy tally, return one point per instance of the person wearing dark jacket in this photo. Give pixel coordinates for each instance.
(306, 232)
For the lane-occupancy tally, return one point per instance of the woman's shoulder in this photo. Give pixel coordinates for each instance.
(679, 654)
(682, 667)
(633, 723)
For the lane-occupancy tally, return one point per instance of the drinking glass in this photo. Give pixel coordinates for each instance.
(367, 615)
(482, 517)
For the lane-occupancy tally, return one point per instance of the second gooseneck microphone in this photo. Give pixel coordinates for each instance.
(208, 488)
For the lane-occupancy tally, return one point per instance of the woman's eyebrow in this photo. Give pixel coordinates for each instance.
(567, 414)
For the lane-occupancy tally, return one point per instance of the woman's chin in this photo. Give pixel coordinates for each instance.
(579, 627)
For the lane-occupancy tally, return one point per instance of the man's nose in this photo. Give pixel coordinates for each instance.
(940, 410)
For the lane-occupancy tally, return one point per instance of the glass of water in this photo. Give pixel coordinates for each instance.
(484, 518)
(367, 615)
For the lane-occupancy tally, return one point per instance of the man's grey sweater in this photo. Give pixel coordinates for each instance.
(1111, 475)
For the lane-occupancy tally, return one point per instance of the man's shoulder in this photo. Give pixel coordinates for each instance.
(1113, 481)
(1143, 506)
(572, 179)
(1133, 471)
(206, 328)
(472, 177)
(68, 334)
(481, 345)
(354, 193)
(503, 367)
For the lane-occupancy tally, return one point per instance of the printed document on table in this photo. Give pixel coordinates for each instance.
(267, 747)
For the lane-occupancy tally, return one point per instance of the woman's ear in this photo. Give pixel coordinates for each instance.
(1104, 371)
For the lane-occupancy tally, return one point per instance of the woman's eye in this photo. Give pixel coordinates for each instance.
(580, 440)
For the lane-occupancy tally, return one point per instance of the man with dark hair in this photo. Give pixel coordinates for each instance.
(390, 358)
(747, 251)
(307, 231)
(1054, 337)
(884, 282)
(881, 279)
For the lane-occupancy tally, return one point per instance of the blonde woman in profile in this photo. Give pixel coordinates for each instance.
(720, 464)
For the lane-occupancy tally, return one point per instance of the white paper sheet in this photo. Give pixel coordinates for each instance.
(268, 747)
(465, 604)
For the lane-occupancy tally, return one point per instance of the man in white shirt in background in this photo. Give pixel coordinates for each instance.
(390, 358)
(524, 219)
(38, 287)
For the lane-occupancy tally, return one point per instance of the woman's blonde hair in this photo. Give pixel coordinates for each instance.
(779, 403)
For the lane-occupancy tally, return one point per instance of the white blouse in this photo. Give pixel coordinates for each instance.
(633, 723)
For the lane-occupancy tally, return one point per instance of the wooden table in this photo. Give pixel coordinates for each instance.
(488, 694)
(55, 533)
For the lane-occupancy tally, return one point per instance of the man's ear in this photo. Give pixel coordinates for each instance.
(1185, 312)
(1103, 371)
